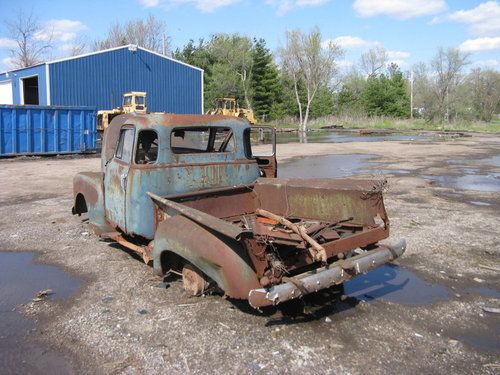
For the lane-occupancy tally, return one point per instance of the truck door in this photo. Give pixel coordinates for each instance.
(116, 176)
(263, 145)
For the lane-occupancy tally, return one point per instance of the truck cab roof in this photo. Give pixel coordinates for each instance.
(164, 122)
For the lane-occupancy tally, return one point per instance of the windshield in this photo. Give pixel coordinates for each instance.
(127, 100)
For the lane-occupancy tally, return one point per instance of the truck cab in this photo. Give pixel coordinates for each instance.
(170, 154)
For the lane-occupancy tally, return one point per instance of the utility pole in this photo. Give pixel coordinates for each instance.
(411, 94)
(447, 114)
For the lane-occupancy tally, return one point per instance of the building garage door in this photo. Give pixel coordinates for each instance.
(6, 92)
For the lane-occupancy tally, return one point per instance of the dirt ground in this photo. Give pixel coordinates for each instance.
(123, 321)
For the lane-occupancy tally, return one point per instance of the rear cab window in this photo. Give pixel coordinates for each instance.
(190, 140)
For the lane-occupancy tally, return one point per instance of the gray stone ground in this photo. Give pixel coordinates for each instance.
(122, 322)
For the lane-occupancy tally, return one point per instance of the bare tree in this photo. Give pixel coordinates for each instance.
(424, 100)
(310, 64)
(484, 89)
(31, 48)
(148, 33)
(448, 65)
(76, 47)
(373, 60)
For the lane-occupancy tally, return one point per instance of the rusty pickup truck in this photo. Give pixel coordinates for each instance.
(192, 195)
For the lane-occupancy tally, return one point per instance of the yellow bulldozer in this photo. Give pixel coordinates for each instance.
(133, 101)
(230, 107)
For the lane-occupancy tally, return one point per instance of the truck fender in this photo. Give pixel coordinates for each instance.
(219, 257)
(89, 198)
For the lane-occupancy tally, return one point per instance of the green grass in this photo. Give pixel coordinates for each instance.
(393, 124)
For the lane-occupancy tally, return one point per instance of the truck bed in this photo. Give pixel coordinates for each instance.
(340, 215)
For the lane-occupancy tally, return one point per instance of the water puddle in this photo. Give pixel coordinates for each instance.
(20, 280)
(480, 203)
(479, 182)
(342, 137)
(485, 341)
(325, 166)
(493, 161)
(393, 171)
(485, 292)
(395, 284)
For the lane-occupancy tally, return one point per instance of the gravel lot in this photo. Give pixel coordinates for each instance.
(123, 321)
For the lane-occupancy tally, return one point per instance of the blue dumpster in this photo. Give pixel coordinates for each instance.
(39, 130)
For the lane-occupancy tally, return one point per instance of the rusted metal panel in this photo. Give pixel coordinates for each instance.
(223, 260)
(225, 203)
(202, 218)
(322, 199)
(88, 193)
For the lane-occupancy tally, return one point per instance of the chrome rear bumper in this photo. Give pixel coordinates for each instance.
(326, 277)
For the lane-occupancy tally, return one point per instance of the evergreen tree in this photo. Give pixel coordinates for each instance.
(386, 95)
(265, 82)
(399, 105)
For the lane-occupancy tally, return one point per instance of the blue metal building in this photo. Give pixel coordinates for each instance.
(99, 79)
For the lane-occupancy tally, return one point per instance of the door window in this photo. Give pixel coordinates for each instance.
(125, 146)
(147, 147)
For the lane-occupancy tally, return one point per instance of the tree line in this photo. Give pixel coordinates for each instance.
(301, 80)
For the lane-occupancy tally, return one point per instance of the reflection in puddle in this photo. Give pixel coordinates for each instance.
(485, 292)
(342, 137)
(486, 341)
(491, 161)
(20, 280)
(489, 182)
(479, 203)
(394, 171)
(325, 166)
(395, 284)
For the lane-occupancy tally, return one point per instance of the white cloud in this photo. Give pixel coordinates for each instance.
(60, 30)
(345, 64)
(483, 20)
(400, 9)
(206, 6)
(397, 55)
(7, 43)
(481, 44)
(149, 3)
(491, 63)
(7, 64)
(211, 5)
(307, 3)
(349, 41)
(284, 6)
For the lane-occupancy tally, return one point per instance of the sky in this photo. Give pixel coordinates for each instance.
(410, 30)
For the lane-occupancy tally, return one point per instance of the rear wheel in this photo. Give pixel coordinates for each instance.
(193, 280)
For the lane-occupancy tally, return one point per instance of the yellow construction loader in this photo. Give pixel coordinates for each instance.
(230, 107)
(133, 101)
